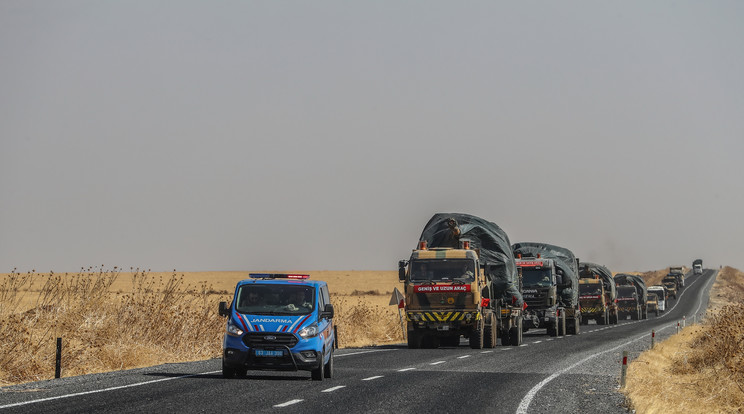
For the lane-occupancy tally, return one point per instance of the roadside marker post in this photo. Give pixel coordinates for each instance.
(684, 321)
(624, 371)
(677, 326)
(653, 338)
(58, 360)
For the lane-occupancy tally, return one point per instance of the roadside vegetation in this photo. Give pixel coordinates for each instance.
(701, 369)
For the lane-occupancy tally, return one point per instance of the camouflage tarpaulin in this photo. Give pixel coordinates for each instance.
(626, 279)
(486, 237)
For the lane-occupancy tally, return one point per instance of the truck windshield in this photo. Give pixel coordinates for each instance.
(591, 289)
(532, 277)
(266, 299)
(443, 270)
(625, 291)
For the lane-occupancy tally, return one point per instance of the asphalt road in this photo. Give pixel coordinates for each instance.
(578, 374)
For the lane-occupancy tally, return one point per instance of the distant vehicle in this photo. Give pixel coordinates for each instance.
(641, 289)
(279, 322)
(661, 295)
(627, 301)
(597, 302)
(670, 282)
(678, 273)
(652, 303)
(697, 266)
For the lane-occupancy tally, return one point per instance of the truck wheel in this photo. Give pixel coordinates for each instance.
(613, 319)
(515, 334)
(414, 340)
(657, 313)
(328, 371)
(562, 324)
(635, 315)
(489, 335)
(645, 313)
(318, 373)
(575, 327)
(476, 337)
(553, 330)
(505, 337)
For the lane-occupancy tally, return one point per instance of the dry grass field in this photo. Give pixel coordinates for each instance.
(701, 369)
(112, 320)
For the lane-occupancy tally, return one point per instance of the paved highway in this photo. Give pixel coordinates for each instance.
(564, 374)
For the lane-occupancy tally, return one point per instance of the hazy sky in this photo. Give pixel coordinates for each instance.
(240, 135)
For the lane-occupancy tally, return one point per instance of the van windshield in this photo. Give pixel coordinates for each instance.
(265, 299)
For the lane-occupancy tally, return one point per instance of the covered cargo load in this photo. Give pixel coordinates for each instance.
(492, 244)
(564, 260)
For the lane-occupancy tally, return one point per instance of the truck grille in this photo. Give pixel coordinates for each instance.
(269, 339)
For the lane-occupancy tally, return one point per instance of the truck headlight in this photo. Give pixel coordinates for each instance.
(309, 331)
(233, 330)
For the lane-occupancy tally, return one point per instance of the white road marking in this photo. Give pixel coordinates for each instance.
(437, 363)
(486, 352)
(406, 369)
(77, 394)
(372, 378)
(362, 352)
(338, 387)
(537, 342)
(288, 403)
(464, 356)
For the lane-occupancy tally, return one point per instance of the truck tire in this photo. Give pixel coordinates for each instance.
(476, 339)
(614, 319)
(489, 335)
(515, 334)
(228, 371)
(553, 329)
(635, 315)
(657, 313)
(561, 324)
(414, 340)
(574, 326)
(505, 341)
(645, 313)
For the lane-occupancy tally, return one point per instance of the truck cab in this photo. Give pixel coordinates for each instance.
(444, 296)
(540, 292)
(280, 322)
(628, 304)
(592, 297)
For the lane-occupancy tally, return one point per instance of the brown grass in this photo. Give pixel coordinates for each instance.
(112, 320)
(700, 369)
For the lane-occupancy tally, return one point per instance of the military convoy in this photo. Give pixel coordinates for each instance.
(622, 281)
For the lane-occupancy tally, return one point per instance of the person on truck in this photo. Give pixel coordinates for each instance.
(297, 300)
(452, 237)
(467, 274)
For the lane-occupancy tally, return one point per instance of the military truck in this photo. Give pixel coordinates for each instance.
(661, 296)
(652, 304)
(641, 290)
(697, 266)
(671, 283)
(627, 301)
(597, 294)
(461, 280)
(567, 312)
(678, 273)
(539, 289)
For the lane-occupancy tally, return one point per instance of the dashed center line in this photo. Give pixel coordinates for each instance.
(437, 363)
(372, 378)
(464, 356)
(537, 342)
(334, 388)
(406, 369)
(486, 352)
(288, 403)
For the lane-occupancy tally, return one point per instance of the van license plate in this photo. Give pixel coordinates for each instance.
(268, 353)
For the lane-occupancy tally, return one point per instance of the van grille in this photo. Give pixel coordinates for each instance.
(269, 339)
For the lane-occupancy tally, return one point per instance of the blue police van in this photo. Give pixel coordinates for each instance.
(279, 321)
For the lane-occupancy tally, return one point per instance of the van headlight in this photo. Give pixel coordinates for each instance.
(309, 331)
(233, 330)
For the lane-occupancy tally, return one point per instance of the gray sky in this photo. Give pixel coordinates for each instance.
(238, 135)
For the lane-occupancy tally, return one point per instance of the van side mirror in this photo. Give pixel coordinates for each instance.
(327, 312)
(224, 309)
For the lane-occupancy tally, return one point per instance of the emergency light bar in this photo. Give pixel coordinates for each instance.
(277, 276)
